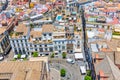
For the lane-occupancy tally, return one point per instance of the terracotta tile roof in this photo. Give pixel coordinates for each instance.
(25, 70)
(107, 68)
(22, 28)
(105, 50)
(2, 30)
(119, 6)
(101, 30)
(35, 34)
(47, 28)
(101, 73)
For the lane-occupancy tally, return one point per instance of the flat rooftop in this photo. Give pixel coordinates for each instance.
(20, 30)
(26, 70)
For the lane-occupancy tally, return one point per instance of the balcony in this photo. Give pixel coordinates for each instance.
(42, 41)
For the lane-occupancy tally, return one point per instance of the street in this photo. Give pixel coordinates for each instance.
(73, 71)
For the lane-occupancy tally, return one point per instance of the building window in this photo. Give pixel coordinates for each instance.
(35, 49)
(41, 49)
(40, 45)
(63, 47)
(18, 46)
(26, 44)
(27, 49)
(50, 34)
(51, 49)
(59, 46)
(45, 49)
(23, 51)
(35, 45)
(25, 40)
(55, 47)
(16, 40)
(45, 45)
(39, 38)
(67, 51)
(44, 34)
(30, 45)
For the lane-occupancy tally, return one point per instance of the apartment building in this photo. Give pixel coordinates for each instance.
(69, 34)
(44, 40)
(19, 39)
(4, 41)
(41, 40)
(59, 41)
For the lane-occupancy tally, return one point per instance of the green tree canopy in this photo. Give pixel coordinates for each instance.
(62, 72)
(52, 55)
(88, 78)
(19, 56)
(35, 54)
(64, 55)
(88, 72)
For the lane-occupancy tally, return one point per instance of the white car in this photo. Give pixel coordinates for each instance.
(1, 58)
(70, 61)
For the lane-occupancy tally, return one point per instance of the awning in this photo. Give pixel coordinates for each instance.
(23, 56)
(15, 56)
(78, 56)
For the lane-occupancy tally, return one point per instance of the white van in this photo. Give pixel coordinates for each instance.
(83, 70)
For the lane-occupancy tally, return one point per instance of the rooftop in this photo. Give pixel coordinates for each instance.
(47, 28)
(25, 70)
(35, 34)
(2, 30)
(108, 68)
(117, 58)
(20, 30)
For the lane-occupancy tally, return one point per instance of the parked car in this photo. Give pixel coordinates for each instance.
(1, 58)
(70, 61)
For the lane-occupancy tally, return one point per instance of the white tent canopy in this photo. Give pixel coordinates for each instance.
(77, 50)
(23, 56)
(15, 56)
(79, 56)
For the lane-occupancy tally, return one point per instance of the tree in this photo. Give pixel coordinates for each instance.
(52, 55)
(35, 54)
(19, 56)
(31, 25)
(25, 59)
(88, 72)
(64, 55)
(62, 72)
(88, 78)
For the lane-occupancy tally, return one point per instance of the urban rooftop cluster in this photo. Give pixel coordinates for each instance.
(59, 40)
